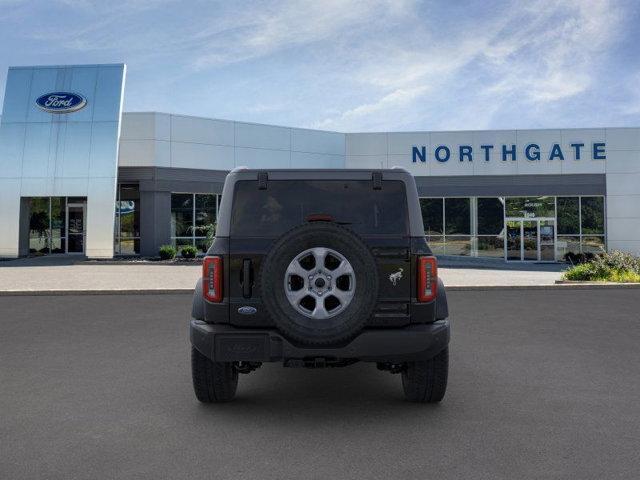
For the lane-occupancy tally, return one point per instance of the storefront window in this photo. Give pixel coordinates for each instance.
(457, 245)
(181, 214)
(39, 225)
(592, 214)
(593, 244)
(451, 216)
(48, 224)
(530, 207)
(491, 246)
(568, 216)
(436, 244)
(58, 224)
(432, 215)
(476, 226)
(127, 228)
(457, 214)
(192, 215)
(490, 216)
(567, 244)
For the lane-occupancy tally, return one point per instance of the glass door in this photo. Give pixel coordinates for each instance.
(530, 240)
(547, 240)
(75, 227)
(513, 247)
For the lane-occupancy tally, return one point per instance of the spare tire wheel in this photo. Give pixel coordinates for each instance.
(319, 284)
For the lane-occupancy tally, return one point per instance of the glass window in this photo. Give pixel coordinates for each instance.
(592, 215)
(490, 216)
(193, 217)
(48, 224)
(457, 245)
(285, 204)
(593, 244)
(205, 210)
(59, 216)
(436, 244)
(567, 244)
(202, 244)
(432, 215)
(181, 214)
(182, 242)
(568, 216)
(39, 225)
(127, 226)
(457, 214)
(491, 246)
(530, 207)
(129, 209)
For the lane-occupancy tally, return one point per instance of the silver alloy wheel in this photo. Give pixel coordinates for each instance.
(319, 283)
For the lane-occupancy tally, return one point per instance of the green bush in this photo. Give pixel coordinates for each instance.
(167, 252)
(607, 267)
(188, 251)
(617, 260)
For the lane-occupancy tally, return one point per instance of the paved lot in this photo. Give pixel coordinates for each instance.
(63, 274)
(544, 384)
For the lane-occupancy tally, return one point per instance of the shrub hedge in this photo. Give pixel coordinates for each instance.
(167, 252)
(614, 266)
(188, 251)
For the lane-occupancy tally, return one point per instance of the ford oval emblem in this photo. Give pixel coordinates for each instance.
(246, 310)
(61, 102)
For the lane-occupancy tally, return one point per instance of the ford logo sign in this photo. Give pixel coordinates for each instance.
(246, 310)
(61, 102)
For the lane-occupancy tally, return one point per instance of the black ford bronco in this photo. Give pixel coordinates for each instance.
(319, 268)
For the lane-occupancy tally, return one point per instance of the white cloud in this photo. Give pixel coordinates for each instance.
(353, 64)
(285, 24)
(541, 53)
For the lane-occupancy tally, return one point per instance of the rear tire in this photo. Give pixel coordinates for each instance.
(213, 382)
(426, 382)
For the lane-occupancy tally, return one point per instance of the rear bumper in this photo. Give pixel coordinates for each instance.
(224, 343)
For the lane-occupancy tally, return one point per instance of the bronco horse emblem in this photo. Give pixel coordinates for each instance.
(394, 277)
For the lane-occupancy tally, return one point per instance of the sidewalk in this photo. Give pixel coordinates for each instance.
(64, 274)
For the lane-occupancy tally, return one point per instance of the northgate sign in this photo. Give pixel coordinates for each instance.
(531, 152)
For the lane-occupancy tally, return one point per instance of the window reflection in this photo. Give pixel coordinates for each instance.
(579, 221)
(127, 226)
(192, 216)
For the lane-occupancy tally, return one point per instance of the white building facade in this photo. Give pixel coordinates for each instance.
(87, 180)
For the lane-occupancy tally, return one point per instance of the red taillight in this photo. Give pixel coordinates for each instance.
(212, 279)
(427, 279)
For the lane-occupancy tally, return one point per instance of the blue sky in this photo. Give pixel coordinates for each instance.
(350, 65)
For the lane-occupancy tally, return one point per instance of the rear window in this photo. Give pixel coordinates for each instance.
(288, 203)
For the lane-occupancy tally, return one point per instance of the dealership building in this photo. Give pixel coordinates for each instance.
(79, 176)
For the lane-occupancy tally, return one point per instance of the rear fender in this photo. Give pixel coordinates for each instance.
(442, 307)
(197, 307)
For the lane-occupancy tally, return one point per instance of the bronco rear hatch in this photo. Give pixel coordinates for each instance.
(265, 209)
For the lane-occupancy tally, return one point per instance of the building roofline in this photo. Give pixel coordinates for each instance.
(377, 132)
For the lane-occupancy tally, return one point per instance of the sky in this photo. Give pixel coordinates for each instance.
(351, 65)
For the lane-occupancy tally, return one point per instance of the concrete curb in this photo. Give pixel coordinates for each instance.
(451, 288)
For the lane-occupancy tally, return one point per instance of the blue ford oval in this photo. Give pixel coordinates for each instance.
(61, 102)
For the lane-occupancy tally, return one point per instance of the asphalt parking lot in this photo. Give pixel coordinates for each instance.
(543, 384)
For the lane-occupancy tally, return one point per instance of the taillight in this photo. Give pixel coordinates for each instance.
(427, 279)
(212, 279)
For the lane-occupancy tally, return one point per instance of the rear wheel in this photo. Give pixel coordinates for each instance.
(213, 381)
(426, 382)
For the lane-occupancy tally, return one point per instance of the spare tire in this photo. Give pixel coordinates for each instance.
(319, 284)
